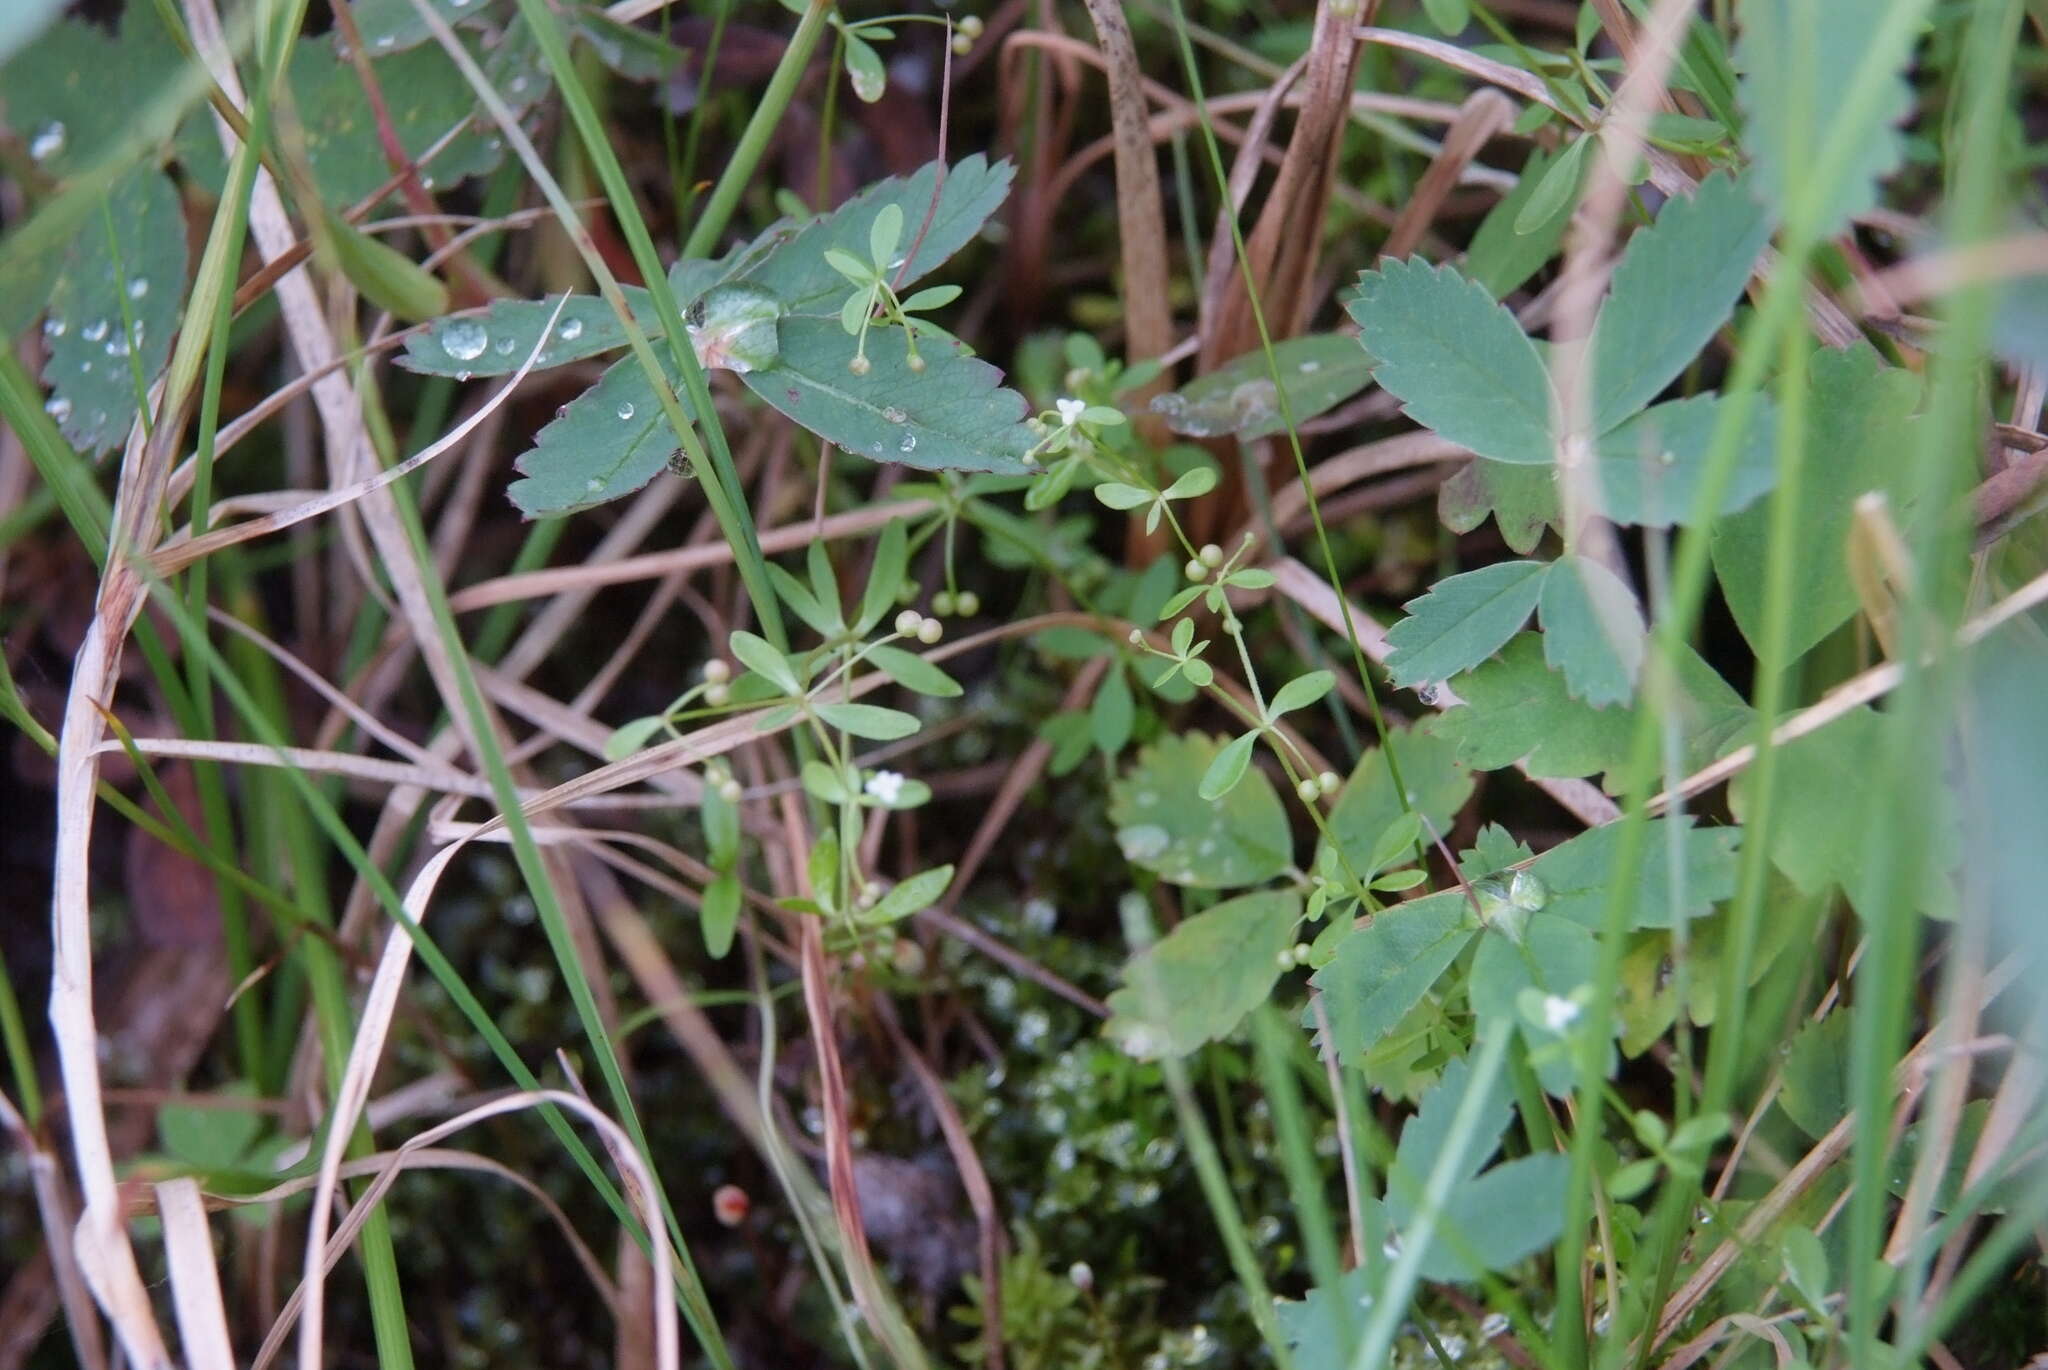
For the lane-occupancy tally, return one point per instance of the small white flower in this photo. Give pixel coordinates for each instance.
(887, 786)
(1559, 1013)
(1071, 411)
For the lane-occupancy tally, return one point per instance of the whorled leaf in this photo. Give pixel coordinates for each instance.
(1317, 373)
(114, 308)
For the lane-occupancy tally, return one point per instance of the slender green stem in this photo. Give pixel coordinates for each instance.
(759, 132)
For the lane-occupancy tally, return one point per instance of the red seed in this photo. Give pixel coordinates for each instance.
(729, 1204)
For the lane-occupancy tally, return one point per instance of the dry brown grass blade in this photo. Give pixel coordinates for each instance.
(1484, 115)
(53, 1208)
(195, 1284)
(1140, 208)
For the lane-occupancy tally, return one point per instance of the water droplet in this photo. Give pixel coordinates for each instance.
(518, 85)
(118, 348)
(909, 443)
(506, 347)
(462, 375)
(135, 331)
(426, 183)
(48, 142)
(53, 327)
(1310, 368)
(593, 485)
(94, 331)
(58, 408)
(1667, 459)
(385, 42)
(571, 330)
(85, 366)
(625, 411)
(461, 4)
(138, 287)
(895, 415)
(464, 340)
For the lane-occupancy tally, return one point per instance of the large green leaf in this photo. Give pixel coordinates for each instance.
(1463, 620)
(1516, 709)
(607, 442)
(114, 308)
(1820, 821)
(1592, 630)
(1578, 875)
(790, 257)
(1438, 785)
(1652, 467)
(1164, 825)
(1675, 286)
(1522, 499)
(954, 415)
(1382, 970)
(1457, 361)
(73, 93)
(1858, 439)
(1317, 373)
(1198, 982)
(1795, 56)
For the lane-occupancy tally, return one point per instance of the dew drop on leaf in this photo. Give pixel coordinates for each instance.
(895, 415)
(505, 346)
(48, 142)
(909, 443)
(464, 340)
(625, 411)
(58, 408)
(571, 330)
(94, 331)
(138, 287)
(53, 327)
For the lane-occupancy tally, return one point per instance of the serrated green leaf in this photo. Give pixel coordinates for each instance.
(604, 444)
(57, 88)
(1502, 259)
(1650, 468)
(1821, 818)
(954, 415)
(1368, 805)
(1548, 207)
(1457, 361)
(1522, 499)
(1795, 55)
(1112, 713)
(497, 341)
(388, 26)
(1228, 767)
(1382, 970)
(425, 96)
(1818, 1086)
(1858, 439)
(1164, 825)
(1516, 709)
(762, 657)
(1554, 956)
(1317, 373)
(791, 257)
(914, 895)
(1463, 620)
(1676, 284)
(1593, 630)
(870, 721)
(1577, 876)
(1197, 983)
(109, 328)
(913, 672)
(1323, 1328)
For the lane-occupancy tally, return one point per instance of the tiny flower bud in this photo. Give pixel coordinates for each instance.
(1308, 790)
(1285, 958)
(1212, 555)
(859, 366)
(915, 362)
(930, 631)
(967, 604)
(729, 790)
(716, 671)
(729, 1204)
(942, 604)
(1083, 1276)
(962, 45)
(907, 957)
(970, 24)
(1029, 459)
(1328, 782)
(1196, 570)
(908, 622)
(1301, 953)
(1137, 637)
(717, 695)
